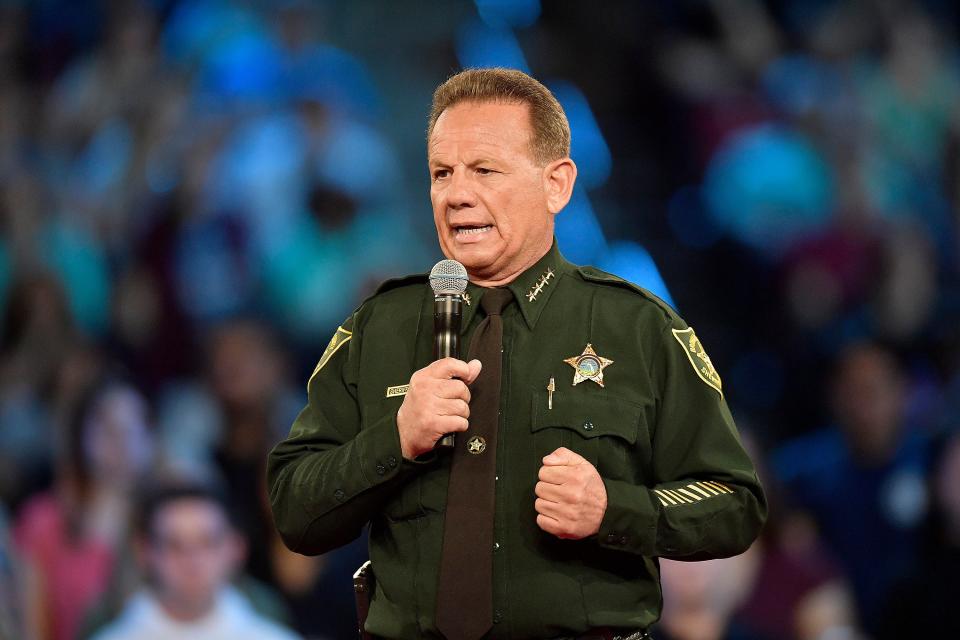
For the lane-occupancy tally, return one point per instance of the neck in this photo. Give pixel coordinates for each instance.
(505, 277)
(183, 610)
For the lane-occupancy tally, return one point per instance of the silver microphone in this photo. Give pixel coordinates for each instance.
(448, 279)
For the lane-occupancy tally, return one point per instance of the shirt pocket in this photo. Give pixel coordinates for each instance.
(599, 426)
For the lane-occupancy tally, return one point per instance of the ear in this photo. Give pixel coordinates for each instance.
(558, 179)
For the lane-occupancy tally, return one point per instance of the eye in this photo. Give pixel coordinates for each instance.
(484, 171)
(440, 174)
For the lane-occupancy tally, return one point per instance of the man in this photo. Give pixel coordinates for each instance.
(191, 552)
(864, 479)
(610, 443)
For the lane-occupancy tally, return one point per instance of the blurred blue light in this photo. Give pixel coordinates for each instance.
(799, 84)
(509, 13)
(195, 27)
(587, 147)
(334, 78)
(579, 235)
(768, 185)
(479, 45)
(81, 265)
(244, 67)
(104, 162)
(358, 160)
(633, 263)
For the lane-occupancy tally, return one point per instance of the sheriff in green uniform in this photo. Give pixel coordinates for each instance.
(614, 443)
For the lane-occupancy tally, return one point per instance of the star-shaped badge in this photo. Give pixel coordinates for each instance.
(476, 445)
(588, 366)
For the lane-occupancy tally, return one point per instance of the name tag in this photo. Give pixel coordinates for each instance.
(399, 390)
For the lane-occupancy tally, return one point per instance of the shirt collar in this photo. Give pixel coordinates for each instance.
(532, 288)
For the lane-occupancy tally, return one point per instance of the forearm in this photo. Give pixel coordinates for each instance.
(690, 519)
(322, 495)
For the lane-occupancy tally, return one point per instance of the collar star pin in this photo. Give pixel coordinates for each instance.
(588, 366)
(466, 298)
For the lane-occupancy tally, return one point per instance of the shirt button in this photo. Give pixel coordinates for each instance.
(392, 462)
(381, 469)
(588, 426)
(497, 616)
(339, 494)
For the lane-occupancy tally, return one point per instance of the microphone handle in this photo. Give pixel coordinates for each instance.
(447, 317)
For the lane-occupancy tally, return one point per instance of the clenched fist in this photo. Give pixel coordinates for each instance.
(437, 403)
(571, 498)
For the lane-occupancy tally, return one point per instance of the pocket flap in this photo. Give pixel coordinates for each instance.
(589, 414)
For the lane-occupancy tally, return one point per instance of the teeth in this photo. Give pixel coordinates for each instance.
(474, 230)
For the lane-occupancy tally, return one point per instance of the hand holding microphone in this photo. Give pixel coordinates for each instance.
(437, 403)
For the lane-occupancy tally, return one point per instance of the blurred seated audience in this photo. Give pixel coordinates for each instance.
(11, 594)
(796, 590)
(863, 483)
(70, 536)
(923, 604)
(36, 336)
(699, 598)
(247, 377)
(190, 551)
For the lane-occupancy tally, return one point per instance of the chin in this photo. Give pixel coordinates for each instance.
(475, 258)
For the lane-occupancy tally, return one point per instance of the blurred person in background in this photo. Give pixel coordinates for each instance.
(36, 336)
(923, 604)
(70, 536)
(11, 587)
(252, 403)
(699, 598)
(863, 482)
(794, 590)
(190, 551)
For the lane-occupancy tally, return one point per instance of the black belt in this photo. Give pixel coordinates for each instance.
(601, 633)
(606, 633)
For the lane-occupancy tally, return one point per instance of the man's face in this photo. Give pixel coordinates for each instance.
(489, 195)
(192, 552)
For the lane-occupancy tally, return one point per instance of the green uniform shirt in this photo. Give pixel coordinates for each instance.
(678, 481)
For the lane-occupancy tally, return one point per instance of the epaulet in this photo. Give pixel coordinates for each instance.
(396, 283)
(593, 274)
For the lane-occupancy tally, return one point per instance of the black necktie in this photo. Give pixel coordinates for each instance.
(465, 589)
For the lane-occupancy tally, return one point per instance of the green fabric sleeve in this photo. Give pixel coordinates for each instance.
(332, 474)
(705, 500)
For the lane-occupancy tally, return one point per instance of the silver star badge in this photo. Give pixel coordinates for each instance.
(588, 366)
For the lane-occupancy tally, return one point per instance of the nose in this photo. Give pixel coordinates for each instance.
(460, 193)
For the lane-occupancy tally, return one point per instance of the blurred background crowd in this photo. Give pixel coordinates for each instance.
(195, 193)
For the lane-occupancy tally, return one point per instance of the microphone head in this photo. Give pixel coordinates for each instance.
(448, 277)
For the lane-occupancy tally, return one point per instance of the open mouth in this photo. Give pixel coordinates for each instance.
(471, 230)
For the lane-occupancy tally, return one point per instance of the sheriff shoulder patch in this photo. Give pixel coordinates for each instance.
(340, 338)
(698, 358)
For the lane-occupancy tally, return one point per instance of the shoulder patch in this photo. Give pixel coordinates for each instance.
(593, 274)
(698, 358)
(340, 338)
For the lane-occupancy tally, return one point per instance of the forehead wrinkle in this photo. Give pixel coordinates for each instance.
(483, 134)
